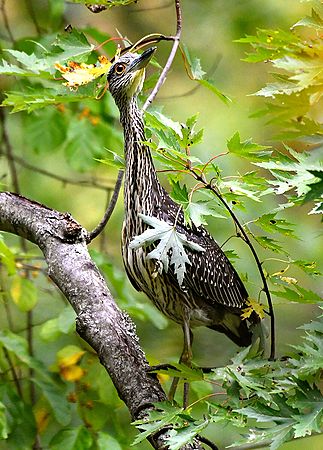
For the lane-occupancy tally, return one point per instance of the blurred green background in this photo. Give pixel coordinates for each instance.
(209, 30)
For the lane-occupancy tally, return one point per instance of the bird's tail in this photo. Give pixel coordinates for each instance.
(235, 328)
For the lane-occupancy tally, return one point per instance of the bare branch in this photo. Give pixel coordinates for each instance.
(100, 322)
(91, 182)
(97, 230)
(172, 54)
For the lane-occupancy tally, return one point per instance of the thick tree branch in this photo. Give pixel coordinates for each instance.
(100, 322)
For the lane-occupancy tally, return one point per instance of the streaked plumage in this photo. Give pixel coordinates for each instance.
(212, 293)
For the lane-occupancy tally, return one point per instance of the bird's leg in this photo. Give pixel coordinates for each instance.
(185, 358)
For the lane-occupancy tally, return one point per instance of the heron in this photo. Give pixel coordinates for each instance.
(212, 293)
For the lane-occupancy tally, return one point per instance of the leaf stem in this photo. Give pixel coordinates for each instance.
(245, 237)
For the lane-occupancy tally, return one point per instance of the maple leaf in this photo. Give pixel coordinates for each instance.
(78, 74)
(170, 249)
(253, 306)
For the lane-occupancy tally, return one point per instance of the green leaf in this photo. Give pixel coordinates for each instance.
(269, 223)
(308, 361)
(3, 422)
(157, 419)
(316, 187)
(169, 240)
(298, 294)
(197, 74)
(39, 98)
(7, 257)
(21, 420)
(209, 84)
(239, 188)
(52, 329)
(309, 267)
(263, 418)
(309, 423)
(182, 371)
(72, 439)
(32, 65)
(159, 121)
(45, 130)
(193, 211)
(85, 143)
(19, 347)
(179, 194)
(23, 292)
(106, 441)
(112, 159)
(181, 436)
(248, 149)
(270, 244)
(73, 45)
(291, 171)
(314, 21)
(56, 397)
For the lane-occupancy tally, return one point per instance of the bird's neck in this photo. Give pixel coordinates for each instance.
(141, 182)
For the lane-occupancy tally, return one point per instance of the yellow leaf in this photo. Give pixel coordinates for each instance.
(71, 373)
(42, 417)
(69, 355)
(163, 377)
(253, 305)
(70, 360)
(23, 292)
(289, 280)
(78, 74)
(15, 289)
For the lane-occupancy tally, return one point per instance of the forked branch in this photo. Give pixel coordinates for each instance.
(100, 322)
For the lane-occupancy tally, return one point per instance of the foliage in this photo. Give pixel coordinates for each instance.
(75, 405)
(277, 400)
(296, 56)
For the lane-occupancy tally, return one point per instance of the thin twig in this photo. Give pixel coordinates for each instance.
(172, 54)
(89, 183)
(9, 153)
(23, 245)
(6, 21)
(30, 7)
(97, 230)
(189, 92)
(13, 372)
(255, 255)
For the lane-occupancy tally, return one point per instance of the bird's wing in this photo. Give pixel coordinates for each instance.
(212, 276)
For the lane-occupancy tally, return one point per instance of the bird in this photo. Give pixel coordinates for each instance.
(212, 293)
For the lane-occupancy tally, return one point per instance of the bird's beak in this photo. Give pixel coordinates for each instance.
(142, 60)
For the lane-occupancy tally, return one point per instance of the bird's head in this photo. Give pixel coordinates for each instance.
(126, 75)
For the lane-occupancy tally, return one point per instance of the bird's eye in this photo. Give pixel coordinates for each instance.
(119, 69)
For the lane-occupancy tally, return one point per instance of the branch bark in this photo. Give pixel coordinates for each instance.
(100, 322)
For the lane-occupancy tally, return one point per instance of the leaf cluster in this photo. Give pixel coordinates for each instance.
(274, 400)
(296, 58)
